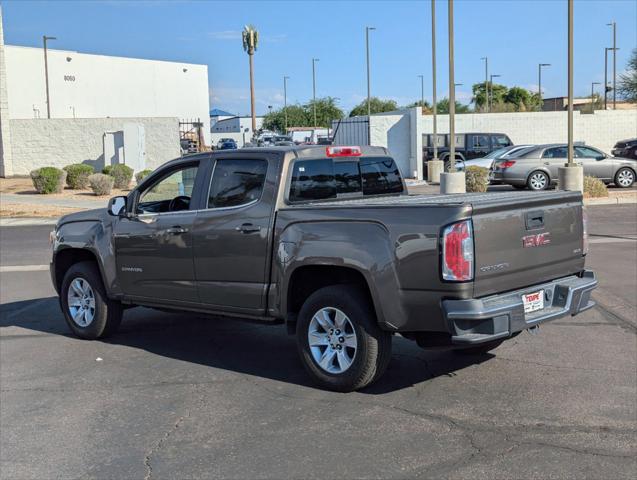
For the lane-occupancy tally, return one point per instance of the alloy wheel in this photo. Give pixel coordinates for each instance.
(332, 340)
(538, 181)
(625, 178)
(81, 302)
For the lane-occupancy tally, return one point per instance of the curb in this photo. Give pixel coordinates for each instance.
(27, 221)
(611, 200)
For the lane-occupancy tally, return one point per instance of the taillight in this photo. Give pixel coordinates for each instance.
(457, 252)
(507, 164)
(585, 231)
(343, 151)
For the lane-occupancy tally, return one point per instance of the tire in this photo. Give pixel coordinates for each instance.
(538, 180)
(624, 178)
(480, 349)
(346, 368)
(83, 283)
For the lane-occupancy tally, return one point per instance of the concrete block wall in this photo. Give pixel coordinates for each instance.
(393, 131)
(38, 143)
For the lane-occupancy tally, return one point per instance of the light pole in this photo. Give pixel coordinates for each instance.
(486, 82)
(491, 77)
(452, 94)
(614, 26)
(422, 92)
(369, 108)
(46, 75)
(539, 81)
(314, 60)
(433, 89)
(593, 95)
(285, 101)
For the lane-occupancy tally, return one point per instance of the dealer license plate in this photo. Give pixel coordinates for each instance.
(533, 301)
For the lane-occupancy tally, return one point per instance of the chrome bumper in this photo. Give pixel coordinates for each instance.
(499, 316)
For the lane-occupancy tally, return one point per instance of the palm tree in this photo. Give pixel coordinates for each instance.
(250, 40)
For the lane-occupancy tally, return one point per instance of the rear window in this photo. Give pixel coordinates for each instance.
(330, 179)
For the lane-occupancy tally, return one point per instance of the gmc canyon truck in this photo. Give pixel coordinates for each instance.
(327, 240)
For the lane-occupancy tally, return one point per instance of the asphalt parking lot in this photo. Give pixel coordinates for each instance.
(178, 396)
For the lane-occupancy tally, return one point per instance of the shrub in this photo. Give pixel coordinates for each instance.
(107, 169)
(476, 179)
(77, 175)
(101, 184)
(594, 187)
(139, 176)
(48, 179)
(122, 174)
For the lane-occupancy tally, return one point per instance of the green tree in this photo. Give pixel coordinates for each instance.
(479, 98)
(376, 105)
(426, 106)
(627, 87)
(326, 110)
(443, 107)
(302, 115)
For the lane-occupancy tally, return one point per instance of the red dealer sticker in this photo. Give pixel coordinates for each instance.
(533, 301)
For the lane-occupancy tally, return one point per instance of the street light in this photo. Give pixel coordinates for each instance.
(422, 92)
(570, 86)
(614, 26)
(369, 108)
(285, 101)
(46, 75)
(314, 60)
(491, 77)
(433, 83)
(452, 93)
(486, 84)
(593, 95)
(539, 80)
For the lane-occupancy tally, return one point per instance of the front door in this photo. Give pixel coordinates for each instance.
(232, 235)
(593, 162)
(153, 247)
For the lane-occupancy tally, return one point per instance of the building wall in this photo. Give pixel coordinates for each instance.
(237, 125)
(393, 131)
(97, 86)
(59, 142)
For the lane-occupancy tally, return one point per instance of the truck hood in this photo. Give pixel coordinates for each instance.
(96, 215)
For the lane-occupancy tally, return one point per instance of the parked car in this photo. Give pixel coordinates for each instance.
(468, 145)
(224, 140)
(284, 143)
(625, 149)
(487, 160)
(230, 145)
(327, 240)
(536, 168)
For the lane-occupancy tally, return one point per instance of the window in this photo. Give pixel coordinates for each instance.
(587, 152)
(312, 180)
(348, 178)
(557, 152)
(500, 141)
(159, 197)
(380, 176)
(236, 182)
(480, 141)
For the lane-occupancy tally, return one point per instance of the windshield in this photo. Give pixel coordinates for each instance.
(495, 153)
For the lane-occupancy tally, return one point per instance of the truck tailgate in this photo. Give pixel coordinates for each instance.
(526, 239)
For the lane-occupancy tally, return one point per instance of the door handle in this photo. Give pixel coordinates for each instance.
(248, 228)
(176, 230)
(546, 163)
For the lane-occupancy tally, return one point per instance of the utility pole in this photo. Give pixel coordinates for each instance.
(452, 94)
(539, 81)
(614, 25)
(285, 101)
(422, 92)
(606, 77)
(491, 82)
(46, 75)
(593, 96)
(369, 108)
(486, 82)
(314, 60)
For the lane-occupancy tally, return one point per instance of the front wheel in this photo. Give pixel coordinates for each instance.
(624, 178)
(339, 340)
(88, 312)
(538, 180)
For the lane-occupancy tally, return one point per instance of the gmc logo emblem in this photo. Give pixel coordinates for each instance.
(536, 240)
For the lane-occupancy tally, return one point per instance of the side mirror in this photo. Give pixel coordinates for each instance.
(117, 206)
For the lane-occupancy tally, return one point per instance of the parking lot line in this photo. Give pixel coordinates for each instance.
(23, 268)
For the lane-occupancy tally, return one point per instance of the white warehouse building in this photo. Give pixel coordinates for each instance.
(84, 85)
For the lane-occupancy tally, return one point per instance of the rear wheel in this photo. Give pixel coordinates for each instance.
(88, 312)
(624, 177)
(538, 180)
(339, 340)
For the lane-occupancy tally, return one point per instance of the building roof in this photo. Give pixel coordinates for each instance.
(215, 112)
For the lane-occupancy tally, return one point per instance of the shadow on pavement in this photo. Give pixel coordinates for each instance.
(256, 349)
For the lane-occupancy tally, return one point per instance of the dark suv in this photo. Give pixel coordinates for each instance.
(468, 145)
(625, 149)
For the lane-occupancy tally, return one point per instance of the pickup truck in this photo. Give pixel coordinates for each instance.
(468, 145)
(326, 240)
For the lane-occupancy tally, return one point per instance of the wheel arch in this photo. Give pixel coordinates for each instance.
(65, 258)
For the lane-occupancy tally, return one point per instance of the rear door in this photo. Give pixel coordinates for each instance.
(477, 146)
(525, 239)
(553, 158)
(232, 234)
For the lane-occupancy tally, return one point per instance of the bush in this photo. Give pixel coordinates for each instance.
(594, 188)
(122, 174)
(48, 179)
(77, 175)
(101, 184)
(139, 176)
(107, 169)
(476, 179)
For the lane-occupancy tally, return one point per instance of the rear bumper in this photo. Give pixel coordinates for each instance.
(499, 316)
